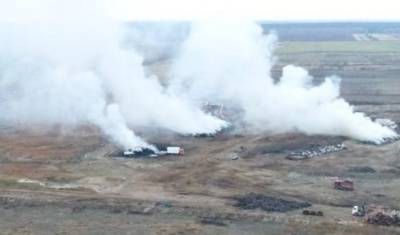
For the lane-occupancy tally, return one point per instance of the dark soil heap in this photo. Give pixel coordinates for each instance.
(266, 203)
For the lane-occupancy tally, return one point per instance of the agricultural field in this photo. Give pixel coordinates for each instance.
(340, 46)
(333, 31)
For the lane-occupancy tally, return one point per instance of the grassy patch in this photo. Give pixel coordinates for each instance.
(340, 46)
(13, 183)
(7, 183)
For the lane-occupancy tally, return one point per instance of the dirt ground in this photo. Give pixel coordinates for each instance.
(58, 180)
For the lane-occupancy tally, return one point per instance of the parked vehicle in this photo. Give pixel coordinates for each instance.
(358, 211)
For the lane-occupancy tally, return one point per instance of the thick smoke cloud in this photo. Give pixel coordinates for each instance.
(230, 62)
(70, 67)
(69, 64)
(156, 40)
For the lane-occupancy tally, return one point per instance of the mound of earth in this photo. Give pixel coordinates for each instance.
(266, 203)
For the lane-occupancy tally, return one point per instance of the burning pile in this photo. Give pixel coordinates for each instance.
(213, 67)
(156, 151)
(50, 76)
(390, 125)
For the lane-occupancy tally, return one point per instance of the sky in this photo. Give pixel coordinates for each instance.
(279, 10)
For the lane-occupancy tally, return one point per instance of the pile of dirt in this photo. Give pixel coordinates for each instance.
(267, 203)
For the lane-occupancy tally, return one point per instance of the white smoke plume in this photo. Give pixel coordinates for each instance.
(69, 67)
(230, 62)
(156, 40)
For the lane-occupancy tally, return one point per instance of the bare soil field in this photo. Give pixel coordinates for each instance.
(60, 180)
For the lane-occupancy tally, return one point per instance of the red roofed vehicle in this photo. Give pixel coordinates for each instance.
(345, 185)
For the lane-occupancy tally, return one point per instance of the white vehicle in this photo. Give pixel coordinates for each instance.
(358, 211)
(175, 150)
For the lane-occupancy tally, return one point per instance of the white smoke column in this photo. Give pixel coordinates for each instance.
(230, 62)
(40, 87)
(143, 101)
(69, 68)
(113, 124)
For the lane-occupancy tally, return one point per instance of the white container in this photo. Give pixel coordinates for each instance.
(173, 150)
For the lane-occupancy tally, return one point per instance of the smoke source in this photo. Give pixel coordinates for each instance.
(230, 62)
(69, 67)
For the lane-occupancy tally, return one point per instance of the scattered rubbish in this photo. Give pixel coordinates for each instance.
(135, 212)
(359, 211)
(204, 135)
(384, 218)
(362, 169)
(148, 210)
(165, 204)
(344, 185)
(139, 152)
(161, 150)
(380, 215)
(314, 152)
(267, 203)
(296, 157)
(235, 156)
(313, 213)
(212, 221)
(242, 152)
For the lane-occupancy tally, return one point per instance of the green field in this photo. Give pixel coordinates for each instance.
(340, 46)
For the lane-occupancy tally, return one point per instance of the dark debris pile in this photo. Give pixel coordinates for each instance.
(267, 203)
(212, 221)
(383, 218)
